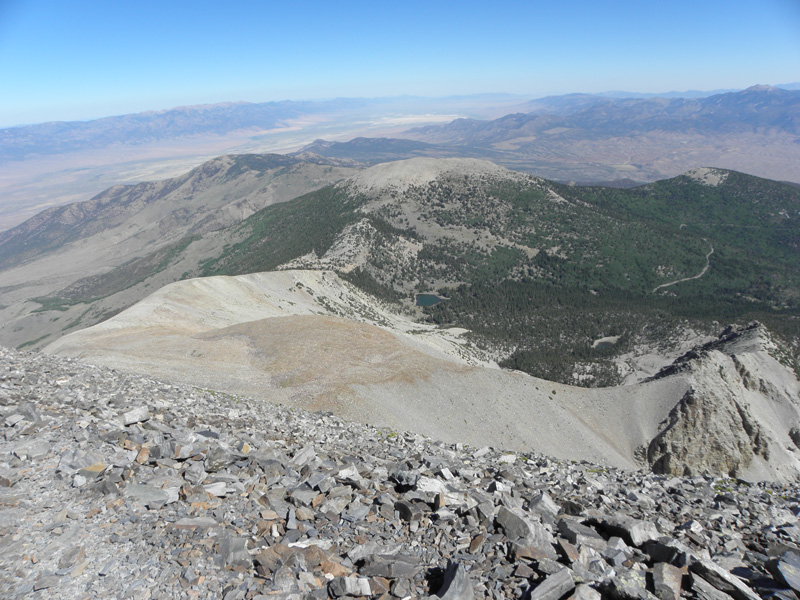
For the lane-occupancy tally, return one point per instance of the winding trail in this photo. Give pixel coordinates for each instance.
(698, 276)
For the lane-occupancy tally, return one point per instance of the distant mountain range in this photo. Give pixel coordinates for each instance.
(756, 109)
(17, 143)
(204, 120)
(589, 139)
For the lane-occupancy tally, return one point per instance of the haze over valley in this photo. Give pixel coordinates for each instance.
(576, 137)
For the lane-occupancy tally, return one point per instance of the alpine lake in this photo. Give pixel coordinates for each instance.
(426, 300)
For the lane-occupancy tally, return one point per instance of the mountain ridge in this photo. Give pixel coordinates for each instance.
(128, 232)
(561, 282)
(494, 238)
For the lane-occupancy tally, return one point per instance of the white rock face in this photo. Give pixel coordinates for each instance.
(736, 416)
(708, 176)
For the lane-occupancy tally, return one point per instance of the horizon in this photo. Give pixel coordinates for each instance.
(90, 60)
(522, 97)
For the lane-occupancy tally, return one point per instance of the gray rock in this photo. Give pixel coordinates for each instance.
(667, 581)
(302, 497)
(14, 419)
(71, 557)
(514, 523)
(303, 457)
(349, 586)
(580, 535)
(195, 523)
(29, 412)
(33, 449)
(335, 505)
(722, 579)
(669, 550)
(233, 551)
(216, 488)
(584, 592)
(635, 531)
(108, 567)
(543, 504)
(76, 459)
(705, 591)
(408, 511)
(46, 582)
(456, 584)
(391, 566)
(152, 498)
(528, 539)
(554, 587)
(786, 570)
(8, 477)
(431, 485)
(405, 477)
(320, 481)
(356, 511)
(629, 585)
(218, 458)
(136, 415)
(351, 476)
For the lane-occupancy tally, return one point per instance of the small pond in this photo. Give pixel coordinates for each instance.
(426, 300)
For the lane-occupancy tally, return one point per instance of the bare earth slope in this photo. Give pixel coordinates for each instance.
(308, 339)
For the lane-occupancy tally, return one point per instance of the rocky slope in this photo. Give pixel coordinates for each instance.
(739, 397)
(311, 340)
(117, 485)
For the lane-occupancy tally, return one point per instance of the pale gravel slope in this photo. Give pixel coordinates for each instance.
(273, 336)
(308, 339)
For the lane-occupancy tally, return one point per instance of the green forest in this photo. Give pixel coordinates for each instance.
(563, 265)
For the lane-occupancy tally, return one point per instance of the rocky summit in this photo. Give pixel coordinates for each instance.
(115, 485)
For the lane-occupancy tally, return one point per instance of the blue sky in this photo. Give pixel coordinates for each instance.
(76, 59)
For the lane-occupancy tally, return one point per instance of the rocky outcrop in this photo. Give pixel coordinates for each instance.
(707, 433)
(741, 407)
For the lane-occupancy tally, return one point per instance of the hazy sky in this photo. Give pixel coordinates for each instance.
(77, 59)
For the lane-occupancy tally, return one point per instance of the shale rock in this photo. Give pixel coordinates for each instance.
(213, 496)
